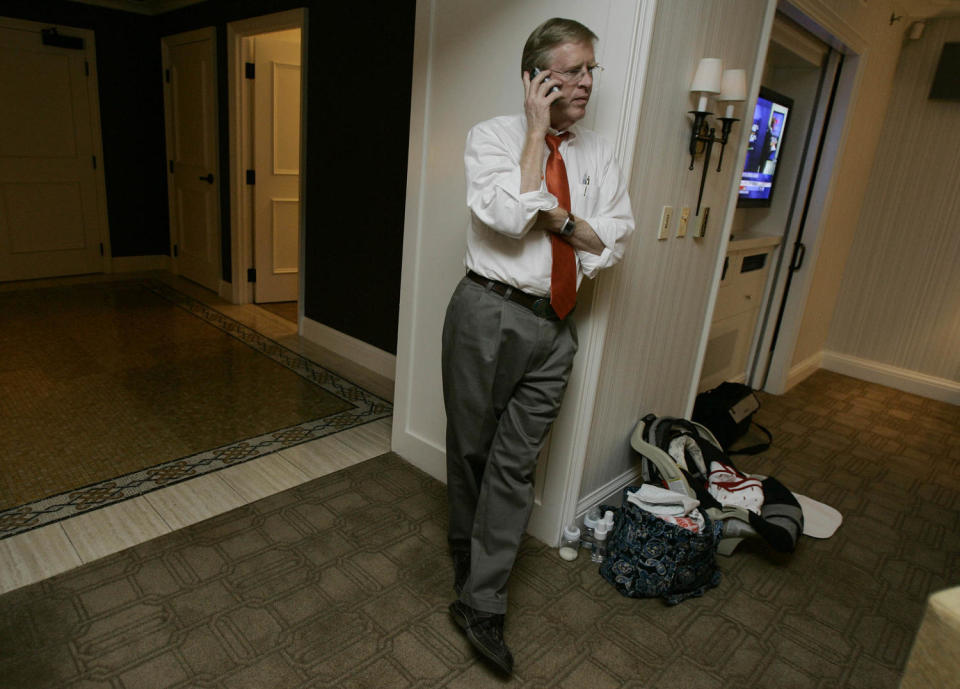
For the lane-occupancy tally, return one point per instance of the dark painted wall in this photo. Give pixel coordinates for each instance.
(358, 109)
(131, 115)
(358, 105)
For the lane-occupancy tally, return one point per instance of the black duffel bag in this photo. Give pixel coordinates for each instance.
(727, 410)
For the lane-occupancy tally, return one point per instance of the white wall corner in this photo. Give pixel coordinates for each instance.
(800, 372)
(609, 492)
(356, 350)
(913, 382)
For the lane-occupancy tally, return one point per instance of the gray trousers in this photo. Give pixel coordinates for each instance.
(505, 370)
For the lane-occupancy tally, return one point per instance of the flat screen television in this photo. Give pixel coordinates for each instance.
(759, 177)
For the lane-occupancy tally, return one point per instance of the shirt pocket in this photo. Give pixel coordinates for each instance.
(584, 197)
(585, 190)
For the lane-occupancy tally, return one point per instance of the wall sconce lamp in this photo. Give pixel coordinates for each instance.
(731, 85)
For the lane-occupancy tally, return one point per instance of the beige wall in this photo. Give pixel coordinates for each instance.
(899, 301)
(867, 30)
(661, 290)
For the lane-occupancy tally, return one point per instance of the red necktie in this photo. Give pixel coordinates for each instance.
(563, 276)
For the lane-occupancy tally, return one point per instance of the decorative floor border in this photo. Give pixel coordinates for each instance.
(367, 407)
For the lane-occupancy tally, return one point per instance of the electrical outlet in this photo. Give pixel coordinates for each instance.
(702, 227)
(682, 224)
(665, 217)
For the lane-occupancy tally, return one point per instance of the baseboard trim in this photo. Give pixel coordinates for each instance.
(419, 451)
(137, 264)
(356, 350)
(806, 368)
(913, 382)
(608, 490)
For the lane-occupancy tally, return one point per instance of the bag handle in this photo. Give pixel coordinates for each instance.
(759, 447)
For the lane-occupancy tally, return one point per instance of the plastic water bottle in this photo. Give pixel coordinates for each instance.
(590, 521)
(570, 543)
(600, 542)
(608, 520)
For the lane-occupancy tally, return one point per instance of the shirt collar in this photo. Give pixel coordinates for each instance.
(556, 132)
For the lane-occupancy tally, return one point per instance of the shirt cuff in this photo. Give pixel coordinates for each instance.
(540, 200)
(591, 264)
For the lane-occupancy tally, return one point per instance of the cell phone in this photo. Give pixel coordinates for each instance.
(536, 71)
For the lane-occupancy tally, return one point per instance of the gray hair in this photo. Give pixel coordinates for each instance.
(548, 36)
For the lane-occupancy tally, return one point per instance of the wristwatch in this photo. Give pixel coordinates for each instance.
(568, 226)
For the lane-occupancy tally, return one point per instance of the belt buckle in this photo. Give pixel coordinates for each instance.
(542, 308)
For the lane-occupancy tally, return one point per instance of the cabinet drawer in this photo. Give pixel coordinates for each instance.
(727, 350)
(740, 294)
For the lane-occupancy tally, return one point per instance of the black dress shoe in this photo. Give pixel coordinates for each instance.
(485, 631)
(461, 570)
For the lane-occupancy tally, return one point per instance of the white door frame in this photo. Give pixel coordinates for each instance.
(783, 372)
(241, 157)
(761, 356)
(96, 137)
(166, 42)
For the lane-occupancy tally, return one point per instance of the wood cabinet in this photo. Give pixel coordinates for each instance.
(737, 309)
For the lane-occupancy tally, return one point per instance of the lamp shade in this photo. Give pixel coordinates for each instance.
(707, 78)
(733, 85)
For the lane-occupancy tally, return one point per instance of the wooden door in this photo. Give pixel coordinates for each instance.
(277, 162)
(51, 217)
(190, 100)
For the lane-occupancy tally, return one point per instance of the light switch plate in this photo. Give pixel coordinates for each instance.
(702, 225)
(665, 217)
(682, 224)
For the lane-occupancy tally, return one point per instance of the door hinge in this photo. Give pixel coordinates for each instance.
(171, 166)
(166, 75)
(176, 250)
(251, 176)
(94, 158)
(250, 70)
(251, 274)
(86, 68)
(101, 248)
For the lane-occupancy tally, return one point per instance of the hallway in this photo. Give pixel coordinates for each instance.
(56, 547)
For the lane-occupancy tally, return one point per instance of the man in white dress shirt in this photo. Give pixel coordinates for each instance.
(548, 206)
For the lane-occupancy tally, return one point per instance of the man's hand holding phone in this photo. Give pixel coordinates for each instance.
(554, 88)
(540, 95)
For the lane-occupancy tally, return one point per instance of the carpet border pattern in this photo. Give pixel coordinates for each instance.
(366, 407)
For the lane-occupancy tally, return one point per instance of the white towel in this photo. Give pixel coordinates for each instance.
(669, 506)
(657, 500)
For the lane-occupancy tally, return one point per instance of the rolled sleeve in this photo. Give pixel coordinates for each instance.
(493, 185)
(613, 222)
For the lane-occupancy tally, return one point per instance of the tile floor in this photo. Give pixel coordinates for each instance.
(50, 550)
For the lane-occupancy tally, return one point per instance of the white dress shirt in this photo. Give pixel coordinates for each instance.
(500, 243)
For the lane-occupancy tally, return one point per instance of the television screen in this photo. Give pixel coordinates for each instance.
(763, 150)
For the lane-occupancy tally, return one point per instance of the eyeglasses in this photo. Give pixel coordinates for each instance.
(579, 73)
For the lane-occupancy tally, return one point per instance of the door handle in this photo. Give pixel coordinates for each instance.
(799, 253)
(208, 178)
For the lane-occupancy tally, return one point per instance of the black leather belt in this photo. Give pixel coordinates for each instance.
(539, 305)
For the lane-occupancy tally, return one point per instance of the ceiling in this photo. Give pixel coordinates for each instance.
(924, 9)
(141, 6)
(917, 9)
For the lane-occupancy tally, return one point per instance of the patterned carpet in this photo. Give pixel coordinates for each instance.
(111, 390)
(344, 582)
